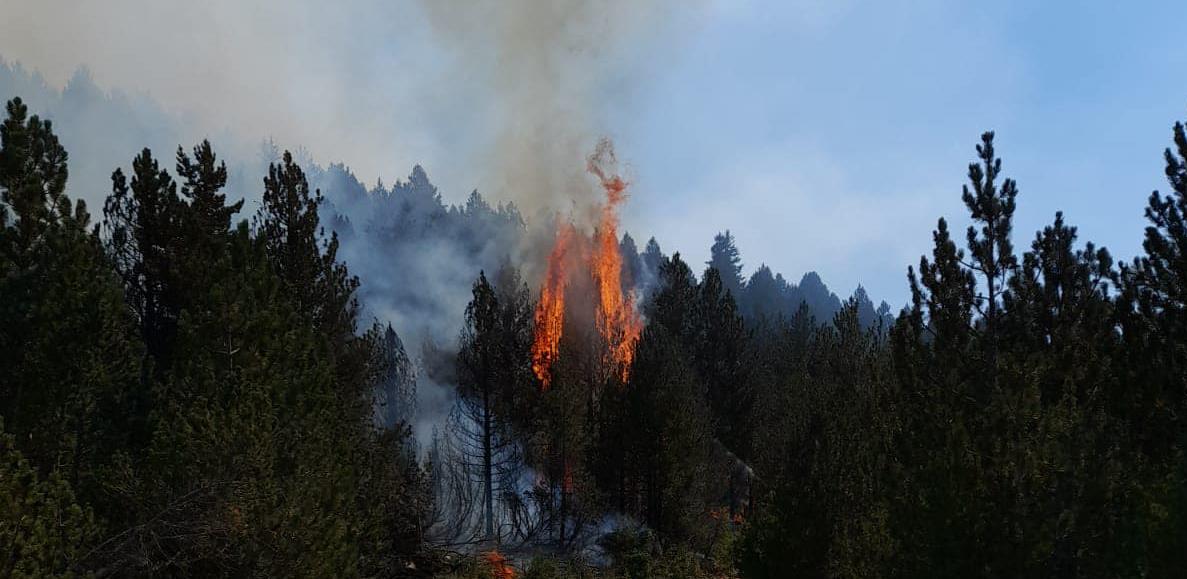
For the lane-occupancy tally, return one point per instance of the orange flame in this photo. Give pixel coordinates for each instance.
(550, 311)
(615, 317)
(617, 320)
(500, 566)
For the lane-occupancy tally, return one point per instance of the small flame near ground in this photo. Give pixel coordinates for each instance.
(500, 566)
(616, 318)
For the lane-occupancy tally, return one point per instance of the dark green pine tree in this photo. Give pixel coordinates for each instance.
(765, 299)
(670, 438)
(1060, 315)
(320, 288)
(396, 396)
(673, 305)
(719, 351)
(632, 263)
(1061, 343)
(67, 345)
(1152, 310)
(143, 224)
(724, 257)
(205, 221)
(1011, 455)
(46, 532)
(518, 393)
(990, 247)
(942, 372)
(306, 263)
(667, 425)
(826, 471)
(932, 340)
(203, 178)
(1157, 293)
(650, 262)
(33, 170)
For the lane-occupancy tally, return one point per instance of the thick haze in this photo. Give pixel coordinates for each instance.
(827, 135)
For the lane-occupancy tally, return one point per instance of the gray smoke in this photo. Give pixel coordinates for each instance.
(506, 96)
(543, 70)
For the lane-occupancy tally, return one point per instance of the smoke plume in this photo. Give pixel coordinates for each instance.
(544, 70)
(504, 96)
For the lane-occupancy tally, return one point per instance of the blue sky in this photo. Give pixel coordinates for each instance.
(831, 137)
(826, 135)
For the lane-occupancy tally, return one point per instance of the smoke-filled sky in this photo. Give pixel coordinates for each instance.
(828, 135)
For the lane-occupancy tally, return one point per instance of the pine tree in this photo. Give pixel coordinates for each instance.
(479, 365)
(990, 248)
(671, 437)
(33, 177)
(651, 260)
(950, 374)
(1152, 312)
(826, 471)
(203, 178)
(396, 397)
(672, 306)
(494, 379)
(288, 223)
(718, 352)
(68, 389)
(724, 257)
(46, 532)
(143, 224)
(765, 299)
(632, 263)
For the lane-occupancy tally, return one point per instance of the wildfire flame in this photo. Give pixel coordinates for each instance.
(550, 310)
(617, 320)
(615, 317)
(499, 565)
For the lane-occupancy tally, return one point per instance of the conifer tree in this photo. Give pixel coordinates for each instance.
(480, 368)
(671, 437)
(718, 352)
(46, 532)
(724, 257)
(1152, 312)
(33, 177)
(142, 221)
(203, 178)
(990, 247)
(288, 223)
(68, 388)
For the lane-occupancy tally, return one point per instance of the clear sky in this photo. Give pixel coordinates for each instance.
(827, 135)
(831, 136)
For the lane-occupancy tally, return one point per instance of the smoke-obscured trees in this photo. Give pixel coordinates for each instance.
(396, 392)
(491, 375)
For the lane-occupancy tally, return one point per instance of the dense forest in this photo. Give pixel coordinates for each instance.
(191, 388)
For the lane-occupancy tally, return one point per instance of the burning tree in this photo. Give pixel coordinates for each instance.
(586, 326)
(558, 422)
(572, 256)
